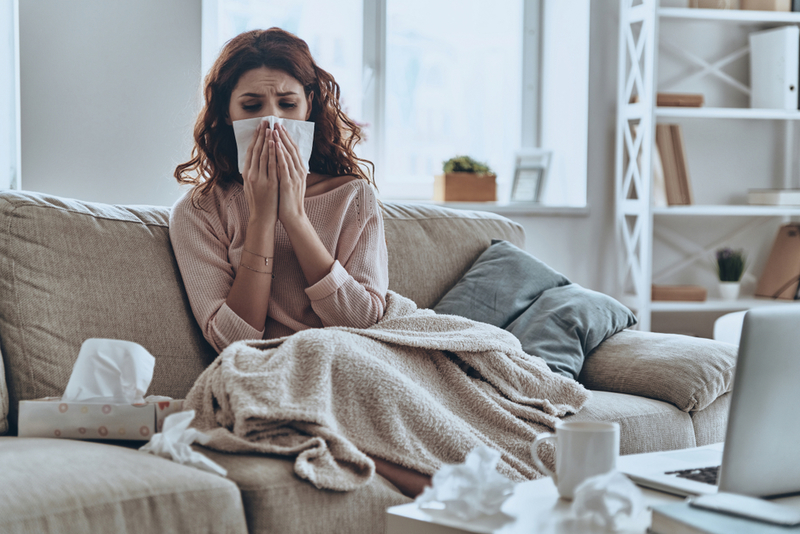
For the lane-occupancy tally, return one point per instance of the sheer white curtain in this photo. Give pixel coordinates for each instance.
(9, 96)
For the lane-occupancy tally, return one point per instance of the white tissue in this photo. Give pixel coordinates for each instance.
(301, 132)
(469, 490)
(608, 499)
(110, 370)
(175, 440)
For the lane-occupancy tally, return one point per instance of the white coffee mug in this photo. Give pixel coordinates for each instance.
(583, 449)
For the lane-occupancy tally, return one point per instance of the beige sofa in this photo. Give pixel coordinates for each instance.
(71, 270)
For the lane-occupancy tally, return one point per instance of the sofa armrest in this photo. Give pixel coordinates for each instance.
(685, 371)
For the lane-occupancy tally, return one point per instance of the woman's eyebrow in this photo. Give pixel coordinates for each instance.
(258, 95)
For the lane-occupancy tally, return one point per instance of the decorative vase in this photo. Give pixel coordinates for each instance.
(729, 290)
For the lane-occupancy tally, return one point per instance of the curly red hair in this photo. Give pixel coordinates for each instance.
(214, 160)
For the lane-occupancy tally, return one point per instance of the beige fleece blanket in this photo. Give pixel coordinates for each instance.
(417, 389)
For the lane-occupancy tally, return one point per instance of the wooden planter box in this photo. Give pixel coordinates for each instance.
(465, 187)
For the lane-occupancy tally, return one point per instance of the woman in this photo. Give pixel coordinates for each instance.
(277, 249)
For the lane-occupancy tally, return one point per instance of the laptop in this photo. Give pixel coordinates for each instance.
(761, 453)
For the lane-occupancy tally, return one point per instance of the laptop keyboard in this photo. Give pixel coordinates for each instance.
(707, 475)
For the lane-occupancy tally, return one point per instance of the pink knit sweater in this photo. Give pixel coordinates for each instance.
(208, 238)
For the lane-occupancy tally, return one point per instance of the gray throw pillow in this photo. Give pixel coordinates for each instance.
(566, 323)
(499, 286)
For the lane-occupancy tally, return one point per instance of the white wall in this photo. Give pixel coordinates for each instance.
(108, 97)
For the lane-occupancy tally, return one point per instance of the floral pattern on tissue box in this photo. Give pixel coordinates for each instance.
(51, 418)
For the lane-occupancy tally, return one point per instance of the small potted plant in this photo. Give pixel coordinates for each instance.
(730, 267)
(465, 180)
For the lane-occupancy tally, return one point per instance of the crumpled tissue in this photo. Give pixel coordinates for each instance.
(110, 370)
(608, 499)
(301, 132)
(175, 440)
(469, 490)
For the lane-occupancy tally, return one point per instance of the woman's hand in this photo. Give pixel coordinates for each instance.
(292, 175)
(260, 177)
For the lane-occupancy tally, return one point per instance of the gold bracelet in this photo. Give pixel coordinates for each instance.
(256, 270)
(265, 258)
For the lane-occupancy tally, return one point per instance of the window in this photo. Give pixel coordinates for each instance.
(453, 87)
(9, 96)
(460, 80)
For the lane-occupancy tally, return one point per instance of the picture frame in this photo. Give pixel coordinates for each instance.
(531, 167)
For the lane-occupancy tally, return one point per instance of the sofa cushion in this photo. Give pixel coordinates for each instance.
(645, 425)
(51, 485)
(431, 247)
(72, 270)
(276, 500)
(686, 371)
(711, 423)
(501, 284)
(566, 323)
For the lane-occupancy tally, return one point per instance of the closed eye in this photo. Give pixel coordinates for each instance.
(288, 105)
(253, 107)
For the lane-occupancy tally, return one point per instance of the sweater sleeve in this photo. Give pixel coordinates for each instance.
(201, 250)
(354, 292)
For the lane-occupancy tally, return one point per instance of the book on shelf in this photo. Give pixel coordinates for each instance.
(672, 149)
(712, 4)
(681, 100)
(775, 68)
(683, 518)
(678, 293)
(774, 197)
(781, 276)
(766, 5)
(659, 192)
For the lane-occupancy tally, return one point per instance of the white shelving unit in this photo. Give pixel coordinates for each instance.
(637, 221)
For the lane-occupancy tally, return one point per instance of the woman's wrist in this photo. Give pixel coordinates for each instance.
(292, 219)
(262, 222)
(256, 262)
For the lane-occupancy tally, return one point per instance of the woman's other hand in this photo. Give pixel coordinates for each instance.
(260, 177)
(292, 175)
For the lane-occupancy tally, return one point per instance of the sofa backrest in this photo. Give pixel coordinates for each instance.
(431, 247)
(71, 270)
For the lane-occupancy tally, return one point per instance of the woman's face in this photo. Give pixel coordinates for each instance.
(263, 91)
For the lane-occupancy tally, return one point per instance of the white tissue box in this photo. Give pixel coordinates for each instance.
(50, 417)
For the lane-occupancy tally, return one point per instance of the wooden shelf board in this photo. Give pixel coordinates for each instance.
(744, 303)
(742, 16)
(729, 210)
(711, 305)
(726, 113)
